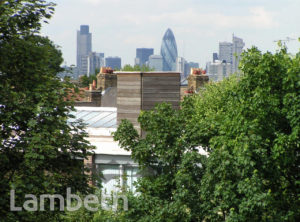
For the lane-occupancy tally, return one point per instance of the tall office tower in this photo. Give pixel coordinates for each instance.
(156, 62)
(113, 62)
(225, 51)
(237, 48)
(142, 55)
(231, 52)
(83, 69)
(84, 48)
(215, 56)
(168, 51)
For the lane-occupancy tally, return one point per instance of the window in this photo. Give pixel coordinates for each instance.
(131, 173)
(110, 177)
(114, 175)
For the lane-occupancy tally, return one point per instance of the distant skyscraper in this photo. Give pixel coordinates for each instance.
(156, 62)
(231, 52)
(168, 51)
(142, 55)
(225, 51)
(113, 62)
(84, 48)
(237, 48)
(215, 56)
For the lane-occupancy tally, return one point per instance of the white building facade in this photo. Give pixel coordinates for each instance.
(112, 163)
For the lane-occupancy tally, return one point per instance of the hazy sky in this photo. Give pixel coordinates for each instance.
(118, 27)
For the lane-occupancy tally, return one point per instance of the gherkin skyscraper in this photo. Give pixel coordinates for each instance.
(168, 51)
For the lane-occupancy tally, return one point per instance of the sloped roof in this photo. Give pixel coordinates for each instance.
(97, 117)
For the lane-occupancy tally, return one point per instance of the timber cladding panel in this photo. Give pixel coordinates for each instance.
(160, 87)
(142, 91)
(129, 97)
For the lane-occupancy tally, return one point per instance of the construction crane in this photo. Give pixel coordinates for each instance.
(284, 41)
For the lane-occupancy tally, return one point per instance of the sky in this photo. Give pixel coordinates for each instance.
(118, 27)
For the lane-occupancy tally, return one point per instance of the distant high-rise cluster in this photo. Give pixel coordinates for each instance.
(168, 60)
(88, 62)
(142, 56)
(227, 61)
(224, 63)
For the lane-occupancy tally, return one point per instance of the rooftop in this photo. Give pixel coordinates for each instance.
(97, 117)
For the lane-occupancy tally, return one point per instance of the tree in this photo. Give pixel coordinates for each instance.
(85, 81)
(164, 156)
(142, 68)
(40, 152)
(250, 128)
(21, 18)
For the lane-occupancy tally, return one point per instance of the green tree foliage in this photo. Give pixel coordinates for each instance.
(164, 156)
(85, 81)
(252, 173)
(250, 128)
(20, 18)
(142, 68)
(40, 153)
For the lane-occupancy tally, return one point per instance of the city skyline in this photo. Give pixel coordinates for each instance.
(198, 25)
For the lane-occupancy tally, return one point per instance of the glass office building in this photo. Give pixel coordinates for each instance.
(113, 62)
(84, 48)
(168, 51)
(142, 55)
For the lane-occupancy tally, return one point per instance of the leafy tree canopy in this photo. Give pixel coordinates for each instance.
(250, 128)
(85, 81)
(40, 153)
(142, 68)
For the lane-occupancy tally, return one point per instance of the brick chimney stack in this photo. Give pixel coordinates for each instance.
(197, 79)
(94, 85)
(106, 78)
